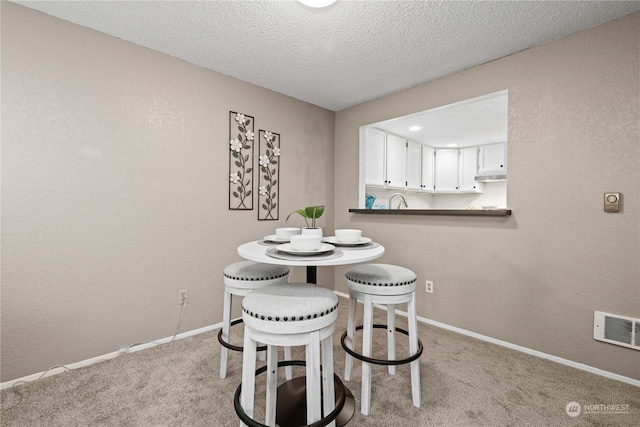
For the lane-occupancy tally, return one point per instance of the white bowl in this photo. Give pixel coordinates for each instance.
(313, 231)
(348, 235)
(305, 242)
(285, 233)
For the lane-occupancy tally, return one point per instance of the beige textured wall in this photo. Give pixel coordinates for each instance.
(115, 189)
(114, 194)
(535, 278)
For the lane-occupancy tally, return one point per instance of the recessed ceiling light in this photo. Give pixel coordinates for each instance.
(415, 128)
(317, 3)
(452, 145)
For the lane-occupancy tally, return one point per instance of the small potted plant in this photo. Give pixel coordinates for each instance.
(310, 213)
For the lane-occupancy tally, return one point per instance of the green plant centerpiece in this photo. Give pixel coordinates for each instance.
(310, 214)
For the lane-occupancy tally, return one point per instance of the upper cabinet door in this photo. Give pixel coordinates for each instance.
(427, 168)
(446, 170)
(374, 157)
(413, 165)
(492, 159)
(468, 169)
(396, 161)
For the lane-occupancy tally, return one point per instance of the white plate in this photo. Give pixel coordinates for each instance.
(273, 238)
(287, 248)
(334, 241)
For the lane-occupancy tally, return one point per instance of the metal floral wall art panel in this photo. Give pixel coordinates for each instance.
(240, 161)
(269, 167)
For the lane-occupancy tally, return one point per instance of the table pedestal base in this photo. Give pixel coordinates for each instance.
(291, 405)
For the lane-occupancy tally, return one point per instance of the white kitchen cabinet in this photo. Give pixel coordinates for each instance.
(455, 170)
(375, 146)
(427, 175)
(446, 170)
(492, 159)
(413, 166)
(396, 162)
(386, 160)
(468, 169)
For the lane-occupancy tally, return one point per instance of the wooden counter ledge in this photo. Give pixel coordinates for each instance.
(449, 212)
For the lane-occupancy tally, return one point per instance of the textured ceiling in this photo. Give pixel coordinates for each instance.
(343, 55)
(481, 120)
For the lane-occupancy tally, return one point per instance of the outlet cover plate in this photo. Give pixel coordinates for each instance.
(429, 286)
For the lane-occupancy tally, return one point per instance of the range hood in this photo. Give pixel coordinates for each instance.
(491, 178)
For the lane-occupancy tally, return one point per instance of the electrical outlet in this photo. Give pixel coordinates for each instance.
(183, 297)
(429, 286)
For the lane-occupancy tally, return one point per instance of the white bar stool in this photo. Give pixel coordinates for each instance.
(240, 278)
(290, 315)
(386, 285)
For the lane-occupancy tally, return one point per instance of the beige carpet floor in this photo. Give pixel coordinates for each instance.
(465, 382)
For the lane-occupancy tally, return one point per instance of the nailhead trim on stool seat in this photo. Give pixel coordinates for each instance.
(290, 302)
(389, 285)
(381, 279)
(243, 273)
(240, 278)
(287, 314)
(381, 275)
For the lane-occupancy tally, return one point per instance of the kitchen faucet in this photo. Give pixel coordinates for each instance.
(402, 203)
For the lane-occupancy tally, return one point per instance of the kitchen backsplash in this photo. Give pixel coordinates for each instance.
(494, 195)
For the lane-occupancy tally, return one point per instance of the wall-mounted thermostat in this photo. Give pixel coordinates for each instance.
(612, 202)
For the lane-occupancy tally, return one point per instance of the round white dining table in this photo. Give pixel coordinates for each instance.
(257, 251)
(291, 399)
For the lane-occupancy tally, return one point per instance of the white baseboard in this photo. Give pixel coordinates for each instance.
(519, 348)
(59, 369)
(532, 352)
(133, 349)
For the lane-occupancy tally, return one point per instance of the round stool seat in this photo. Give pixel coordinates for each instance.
(252, 275)
(288, 307)
(381, 279)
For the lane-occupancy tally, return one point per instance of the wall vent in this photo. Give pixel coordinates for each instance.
(616, 329)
